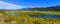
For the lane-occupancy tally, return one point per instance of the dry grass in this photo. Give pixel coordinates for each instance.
(24, 19)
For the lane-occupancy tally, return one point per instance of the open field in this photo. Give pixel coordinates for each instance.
(22, 17)
(43, 12)
(51, 12)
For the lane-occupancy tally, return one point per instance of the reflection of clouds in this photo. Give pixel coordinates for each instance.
(4, 5)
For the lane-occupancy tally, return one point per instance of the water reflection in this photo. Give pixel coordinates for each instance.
(45, 16)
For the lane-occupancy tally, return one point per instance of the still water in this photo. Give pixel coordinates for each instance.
(46, 16)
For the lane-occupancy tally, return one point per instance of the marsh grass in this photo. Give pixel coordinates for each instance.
(23, 18)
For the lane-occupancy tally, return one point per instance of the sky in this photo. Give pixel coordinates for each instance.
(5, 5)
(30, 3)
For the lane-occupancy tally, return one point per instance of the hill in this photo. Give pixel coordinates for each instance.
(52, 8)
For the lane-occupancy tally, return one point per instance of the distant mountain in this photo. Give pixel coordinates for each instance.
(52, 8)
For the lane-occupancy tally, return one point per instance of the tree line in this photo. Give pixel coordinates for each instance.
(52, 8)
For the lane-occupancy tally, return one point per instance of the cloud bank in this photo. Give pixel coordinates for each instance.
(5, 5)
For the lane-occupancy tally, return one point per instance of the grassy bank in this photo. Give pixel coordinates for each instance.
(43, 12)
(23, 18)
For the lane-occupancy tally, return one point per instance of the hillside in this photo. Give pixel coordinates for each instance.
(52, 8)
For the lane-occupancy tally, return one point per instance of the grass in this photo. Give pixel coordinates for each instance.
(51, 12)
(23, 17)
(43, 12)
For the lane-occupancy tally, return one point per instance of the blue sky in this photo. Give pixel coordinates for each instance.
(34, 3)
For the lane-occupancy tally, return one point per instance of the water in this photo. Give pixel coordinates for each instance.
(46, 16)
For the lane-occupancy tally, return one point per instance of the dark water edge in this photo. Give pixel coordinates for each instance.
(46, 16)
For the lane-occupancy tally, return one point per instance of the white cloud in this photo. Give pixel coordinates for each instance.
(5, 5)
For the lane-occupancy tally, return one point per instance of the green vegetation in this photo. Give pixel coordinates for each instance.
(51, 12)
(41, 12)
(21, 17)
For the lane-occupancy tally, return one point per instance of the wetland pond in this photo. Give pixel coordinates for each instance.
(39, 16)
(45, 16)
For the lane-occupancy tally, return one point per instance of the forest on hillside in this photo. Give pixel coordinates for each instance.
(52, 8)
